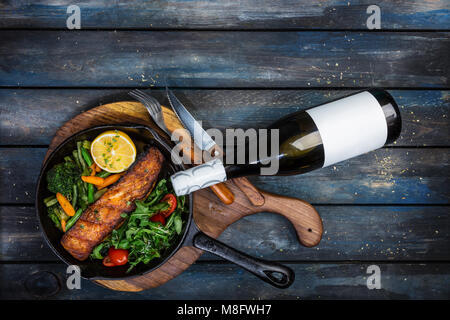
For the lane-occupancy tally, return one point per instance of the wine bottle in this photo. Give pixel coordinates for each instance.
(309, 140)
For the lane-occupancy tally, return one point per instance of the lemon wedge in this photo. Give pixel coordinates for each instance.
(113, 151)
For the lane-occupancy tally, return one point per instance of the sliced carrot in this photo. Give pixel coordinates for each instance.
(93, 169)
(97, 168)
(93, 180)
(65, 204)
(63, 225)
(109, 180)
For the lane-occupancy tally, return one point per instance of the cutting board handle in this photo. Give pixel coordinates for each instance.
(303, 216)
(212, 218)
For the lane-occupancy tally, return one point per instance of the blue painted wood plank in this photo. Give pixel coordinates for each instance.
(225, 281)
(244, 14)
(385, 176)
(362, 233)
(32, 116)
(223, 59)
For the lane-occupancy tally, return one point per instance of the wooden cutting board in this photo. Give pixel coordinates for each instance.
(210, 214)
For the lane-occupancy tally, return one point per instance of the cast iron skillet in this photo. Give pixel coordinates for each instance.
(276, 274)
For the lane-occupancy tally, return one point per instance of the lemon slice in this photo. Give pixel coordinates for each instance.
(113, 151)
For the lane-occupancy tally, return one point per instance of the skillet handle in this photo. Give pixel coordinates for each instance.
(271, 272)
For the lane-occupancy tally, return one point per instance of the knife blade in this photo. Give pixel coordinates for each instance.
(201, 138)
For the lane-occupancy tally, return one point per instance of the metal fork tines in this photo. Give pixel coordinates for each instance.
(153, 108)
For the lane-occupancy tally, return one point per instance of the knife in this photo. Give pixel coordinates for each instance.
(204, 141)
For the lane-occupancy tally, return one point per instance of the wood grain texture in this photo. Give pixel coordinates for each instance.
(227, 14)
(362, 233)
(252, 193)
(225, 281)
(385, 176)
(209, 213)
(224, 59)
(425, 113)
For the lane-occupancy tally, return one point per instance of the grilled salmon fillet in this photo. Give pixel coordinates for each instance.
(103, 216)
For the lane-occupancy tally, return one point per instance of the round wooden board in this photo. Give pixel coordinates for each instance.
(210, 214)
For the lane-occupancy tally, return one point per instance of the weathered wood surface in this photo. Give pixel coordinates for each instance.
(363, 233)
(424, 112)
(227, 14)
(388, 208)
(224, 59)
(225, 281)
(385, 176)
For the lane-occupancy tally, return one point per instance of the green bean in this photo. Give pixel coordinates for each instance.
(84, 196)
(80, 188)
(90, 193)
(73, 219)
(49, 198)
(52, 202)
(86, 157)
(49, 201)
(99, 193)
(74, 196)
(103, 174)
(80, 157)
(75, 156)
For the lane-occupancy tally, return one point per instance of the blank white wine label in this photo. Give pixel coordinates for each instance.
(350, 126)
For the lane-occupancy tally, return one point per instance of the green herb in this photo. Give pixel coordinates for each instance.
(96, 215)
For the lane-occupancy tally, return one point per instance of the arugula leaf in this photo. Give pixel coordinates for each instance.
(178, 224)
(158, 193)
(144, 239)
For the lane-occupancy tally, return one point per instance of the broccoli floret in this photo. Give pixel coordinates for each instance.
(62, 177)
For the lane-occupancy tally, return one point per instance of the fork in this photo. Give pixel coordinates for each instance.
(153, 108)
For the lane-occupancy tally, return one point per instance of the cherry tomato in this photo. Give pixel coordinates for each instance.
(118, 256)
(107, 262)
(158, 218)
(172, 201)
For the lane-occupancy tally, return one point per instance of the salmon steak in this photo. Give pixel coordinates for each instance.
(104, 215)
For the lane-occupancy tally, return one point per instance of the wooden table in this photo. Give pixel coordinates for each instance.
(244, 66)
